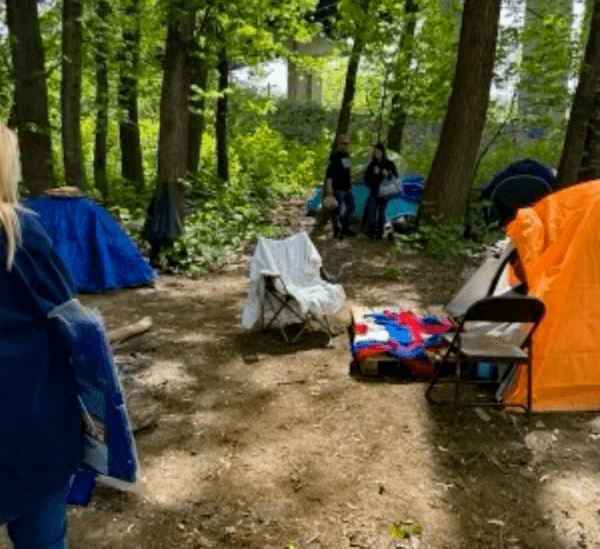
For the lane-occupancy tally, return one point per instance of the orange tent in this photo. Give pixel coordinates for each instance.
(558, 244)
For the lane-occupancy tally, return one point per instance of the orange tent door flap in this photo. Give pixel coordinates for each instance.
(558, 243)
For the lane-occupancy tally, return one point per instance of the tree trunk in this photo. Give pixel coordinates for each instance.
(71, 93)
(396, 128)
(101, 30)
(31, 95)
(198, 74)
(583, 102)
(174, 112)
(451, 171)
(221, 116)
(129, 132)
(590, 163)
(398, 113)
(350, 86)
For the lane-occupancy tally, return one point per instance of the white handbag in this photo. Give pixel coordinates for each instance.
(389, 187)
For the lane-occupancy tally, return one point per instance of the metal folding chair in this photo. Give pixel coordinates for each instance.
(469, 347)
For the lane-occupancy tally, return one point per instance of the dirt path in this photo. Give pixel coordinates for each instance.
(245, 441)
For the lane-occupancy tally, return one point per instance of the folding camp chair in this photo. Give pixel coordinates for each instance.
(469, 347)
(278, 300)
(289, 286)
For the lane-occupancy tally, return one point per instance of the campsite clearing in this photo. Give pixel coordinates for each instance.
(245, 441)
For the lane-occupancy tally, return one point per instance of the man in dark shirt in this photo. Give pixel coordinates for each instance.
(337, 183)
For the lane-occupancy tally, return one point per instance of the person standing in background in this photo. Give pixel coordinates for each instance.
(338, 184)
(380, 168)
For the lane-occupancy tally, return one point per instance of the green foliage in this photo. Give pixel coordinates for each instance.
(302, 121)
(550, 59)
(445, 239)
(398, 532)
(218, 221)
(392, 272)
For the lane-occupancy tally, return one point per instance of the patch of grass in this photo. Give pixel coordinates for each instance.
(398, 532)
(416, 529)
(392, 272)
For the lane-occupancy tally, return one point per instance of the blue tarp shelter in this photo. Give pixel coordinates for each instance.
(97, 251)
(520, 184)
(403, 204)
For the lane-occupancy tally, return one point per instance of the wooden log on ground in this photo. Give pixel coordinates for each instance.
(119, 335)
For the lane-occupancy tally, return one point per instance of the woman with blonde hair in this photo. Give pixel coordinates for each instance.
(41, 440)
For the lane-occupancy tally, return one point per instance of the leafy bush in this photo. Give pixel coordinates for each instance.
(446, 239)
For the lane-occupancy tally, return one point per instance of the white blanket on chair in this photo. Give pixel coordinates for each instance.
(298, 263)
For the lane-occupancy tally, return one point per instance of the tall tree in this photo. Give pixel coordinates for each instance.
(350, 85)
(31, 96)
(221, 115)
(448, 182)
(583, 102)
(356, 14)
(398, 111)
(174, 112)
(129, 132)
(71, 92)
(101, 37)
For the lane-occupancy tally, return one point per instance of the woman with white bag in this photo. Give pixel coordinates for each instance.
(380, 177)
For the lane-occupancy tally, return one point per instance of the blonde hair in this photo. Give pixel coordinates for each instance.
(9, 173)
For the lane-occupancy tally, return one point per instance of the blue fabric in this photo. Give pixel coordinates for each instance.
(99, 255)
(109, 448)
(520, 184)
(109, 444)
(395, 207)
(313, 202)
(43, 527)
(392, 347)
(41, 441)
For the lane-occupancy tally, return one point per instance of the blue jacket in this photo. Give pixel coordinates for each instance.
(41, 440)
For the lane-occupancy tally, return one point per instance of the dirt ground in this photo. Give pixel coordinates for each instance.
(245, 441)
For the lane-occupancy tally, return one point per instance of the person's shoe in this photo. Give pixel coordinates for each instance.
(348, 232)
(336, 232)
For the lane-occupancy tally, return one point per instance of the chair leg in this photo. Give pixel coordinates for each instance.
(529, 389)
(457, 376)
(438, 370)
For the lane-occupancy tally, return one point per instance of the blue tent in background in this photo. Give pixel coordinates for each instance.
(97, 251)
(403, 204)
(520, 184)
